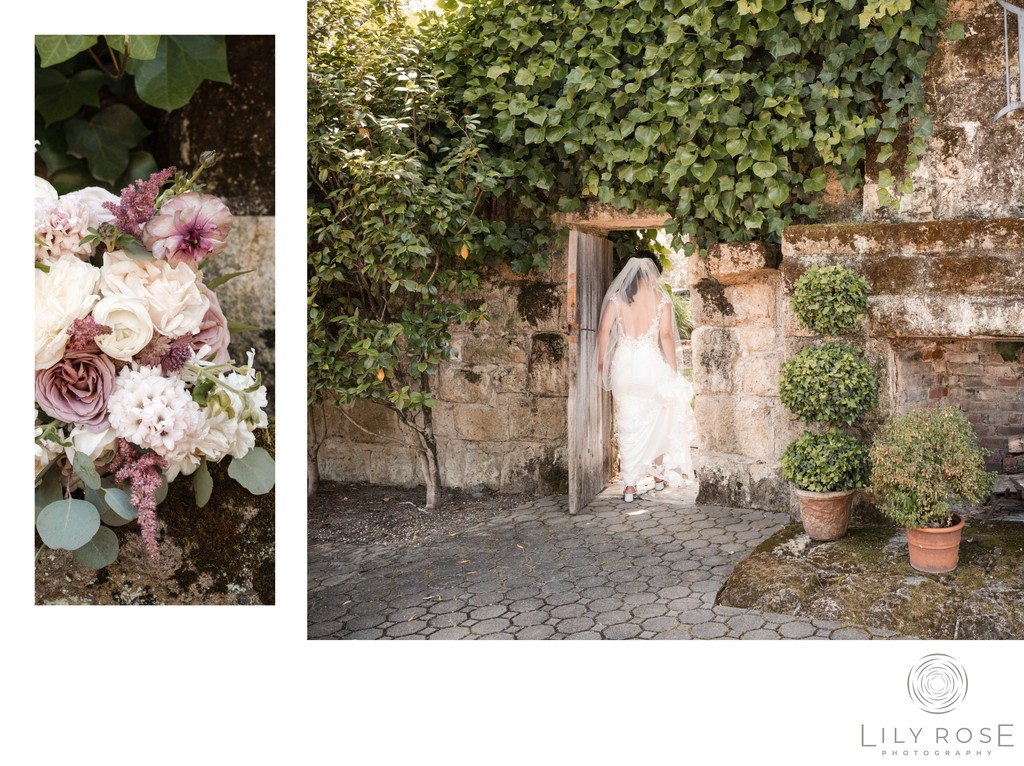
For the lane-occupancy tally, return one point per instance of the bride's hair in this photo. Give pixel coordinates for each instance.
(634, 283)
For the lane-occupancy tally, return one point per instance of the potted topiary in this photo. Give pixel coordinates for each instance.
(826, 467)
(827, 385)
(923, 462)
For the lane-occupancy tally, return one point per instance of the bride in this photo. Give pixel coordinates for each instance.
(637, 338)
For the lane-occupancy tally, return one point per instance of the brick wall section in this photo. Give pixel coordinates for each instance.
(969, 374)
(500, 418)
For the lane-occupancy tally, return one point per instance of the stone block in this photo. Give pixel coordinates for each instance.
(475, 423)
(469, 465)
(537, 418)
(715, 353)
(757, 339)
(541, 306)
(738, 263)
(465, 385)
(396, 466)
(368, 422)
(759, 374)
(493, 349)
(510, 379)
(549, 365)
(339, 460)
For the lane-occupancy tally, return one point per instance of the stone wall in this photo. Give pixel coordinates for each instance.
(500, 417)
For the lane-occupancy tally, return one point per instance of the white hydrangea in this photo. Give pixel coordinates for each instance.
(155, 412)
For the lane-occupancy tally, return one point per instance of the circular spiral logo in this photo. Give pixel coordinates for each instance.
(937, 683)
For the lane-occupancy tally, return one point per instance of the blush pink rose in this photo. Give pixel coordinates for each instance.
(213, 331)
(76, 389)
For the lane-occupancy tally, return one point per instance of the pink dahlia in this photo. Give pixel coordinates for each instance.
(188, 228)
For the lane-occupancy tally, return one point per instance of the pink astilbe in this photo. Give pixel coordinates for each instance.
(138, 203)
(171, 355)
(83, 332)
(140, 469)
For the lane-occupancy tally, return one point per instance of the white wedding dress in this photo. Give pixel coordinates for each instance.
(652, 401)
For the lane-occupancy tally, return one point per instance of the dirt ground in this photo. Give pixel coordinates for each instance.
(363, 514)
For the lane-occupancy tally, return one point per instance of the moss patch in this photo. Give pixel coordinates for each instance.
(866, 578)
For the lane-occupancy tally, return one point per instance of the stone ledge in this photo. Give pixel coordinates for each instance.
(733, 263)
(949, 236)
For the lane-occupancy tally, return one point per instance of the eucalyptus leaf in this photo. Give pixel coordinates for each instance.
(49, 489)
(202, 483)
(217, 281)
(100, 551)
(85, 470)
(254, 471)
(120, 503)
(67, 524)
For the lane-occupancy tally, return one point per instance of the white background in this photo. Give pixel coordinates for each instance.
(233, 684)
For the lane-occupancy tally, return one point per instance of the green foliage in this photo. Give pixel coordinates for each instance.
(397, 175)
(100, 551)
(923, 462)
(830, 383)
(684, 317)
(67, 524)
(830, 300)
(727, 116)
(254, 470)
(829, 461)
(94, 98)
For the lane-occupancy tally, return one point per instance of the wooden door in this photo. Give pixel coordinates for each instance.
(590, 406)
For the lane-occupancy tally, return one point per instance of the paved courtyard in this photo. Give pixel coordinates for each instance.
(650, 570)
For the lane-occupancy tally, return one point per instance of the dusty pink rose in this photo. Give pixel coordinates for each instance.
(76, 389)
(213, 331)
(188, 228)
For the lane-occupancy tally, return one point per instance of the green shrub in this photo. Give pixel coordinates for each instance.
(830, 383)
(923, 462)
(830, 299)
(829, 461)
(684, 318)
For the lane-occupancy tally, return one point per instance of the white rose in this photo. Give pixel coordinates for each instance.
(66, 293)
(131, 324)
(98, 446)
(46, 196)
(176, 304)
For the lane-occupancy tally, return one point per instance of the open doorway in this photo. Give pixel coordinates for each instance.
(591, 267)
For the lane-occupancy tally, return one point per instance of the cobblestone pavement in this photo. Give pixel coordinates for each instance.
(649, 570)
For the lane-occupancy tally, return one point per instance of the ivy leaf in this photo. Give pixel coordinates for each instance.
(68, 524)
(956, 31)
(100, 551)
(105, 140)
(202, 484)
(140, 47)
(765, 169)
(54, 49)
(182, 62)
(254, 471)
(59, 97)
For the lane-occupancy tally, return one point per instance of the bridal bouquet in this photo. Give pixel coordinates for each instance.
(134, 385)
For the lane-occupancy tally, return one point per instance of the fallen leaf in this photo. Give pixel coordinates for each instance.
(464, 252)
(411, 618)
(464, 561)
(471, 572)
(520, 547)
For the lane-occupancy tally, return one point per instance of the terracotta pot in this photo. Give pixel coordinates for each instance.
(935, 550)
(825, 515)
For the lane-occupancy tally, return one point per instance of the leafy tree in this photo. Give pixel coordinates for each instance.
(99, 96)
(396, 183)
